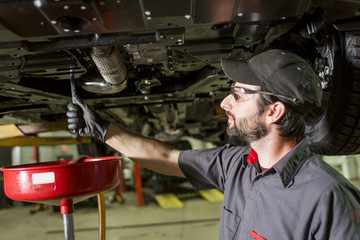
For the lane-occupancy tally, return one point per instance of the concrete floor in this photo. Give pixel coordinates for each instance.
(198, 219)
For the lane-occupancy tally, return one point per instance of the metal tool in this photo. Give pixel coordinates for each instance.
(73, 93)
(73, 87)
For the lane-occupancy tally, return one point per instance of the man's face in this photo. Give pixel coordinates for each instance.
(248, 128)
(245, 119)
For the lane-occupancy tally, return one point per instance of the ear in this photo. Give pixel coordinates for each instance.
(274, 112)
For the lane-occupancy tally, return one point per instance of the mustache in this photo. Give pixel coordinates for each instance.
(229, 114)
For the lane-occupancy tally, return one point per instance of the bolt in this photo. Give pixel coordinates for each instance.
(37, 3)
(136, 56)
(96, 37)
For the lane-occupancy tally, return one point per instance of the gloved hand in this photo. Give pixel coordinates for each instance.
(84, 121)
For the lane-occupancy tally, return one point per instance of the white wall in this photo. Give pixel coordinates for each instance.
(349, 166)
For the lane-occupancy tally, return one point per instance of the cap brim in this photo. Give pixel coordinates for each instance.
(239, 71)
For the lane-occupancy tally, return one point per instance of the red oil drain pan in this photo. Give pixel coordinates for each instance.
(50, 182)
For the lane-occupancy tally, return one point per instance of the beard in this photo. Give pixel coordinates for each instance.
(247, 129)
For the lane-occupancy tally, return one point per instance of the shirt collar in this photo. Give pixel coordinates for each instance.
(252, 157)
(289, 165)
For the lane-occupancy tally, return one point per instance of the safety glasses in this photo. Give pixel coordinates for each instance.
(242, 94)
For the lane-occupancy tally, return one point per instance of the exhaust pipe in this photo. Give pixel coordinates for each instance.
(111, 66)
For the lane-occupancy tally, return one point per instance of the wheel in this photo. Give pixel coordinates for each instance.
(337, 130)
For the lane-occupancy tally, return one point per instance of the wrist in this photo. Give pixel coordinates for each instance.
(108, 131)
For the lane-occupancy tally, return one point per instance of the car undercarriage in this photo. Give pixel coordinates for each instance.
(153, 66)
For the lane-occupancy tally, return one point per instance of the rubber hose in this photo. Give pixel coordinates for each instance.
(101, 207)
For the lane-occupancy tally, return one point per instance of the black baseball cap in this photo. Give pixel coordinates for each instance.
(282, 73)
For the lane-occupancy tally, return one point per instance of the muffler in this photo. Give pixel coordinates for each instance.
(111, 66)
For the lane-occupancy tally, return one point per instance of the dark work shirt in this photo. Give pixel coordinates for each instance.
(300, 197)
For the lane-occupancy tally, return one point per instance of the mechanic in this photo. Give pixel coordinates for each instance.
(276, 188)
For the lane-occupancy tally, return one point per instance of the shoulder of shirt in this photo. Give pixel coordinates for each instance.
(227, 152)
(331, 178)
(235, 153)
(227, 149)
(237, 150)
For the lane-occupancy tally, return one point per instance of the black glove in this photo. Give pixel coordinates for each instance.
(84, 121)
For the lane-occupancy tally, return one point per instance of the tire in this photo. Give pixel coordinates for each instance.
(337, 132)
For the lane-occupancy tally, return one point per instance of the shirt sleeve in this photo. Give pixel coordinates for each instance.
(209, 168)
(339, 214)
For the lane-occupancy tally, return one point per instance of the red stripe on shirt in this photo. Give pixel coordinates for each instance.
(256, 236)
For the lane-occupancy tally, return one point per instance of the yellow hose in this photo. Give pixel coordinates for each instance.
(101, 206)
